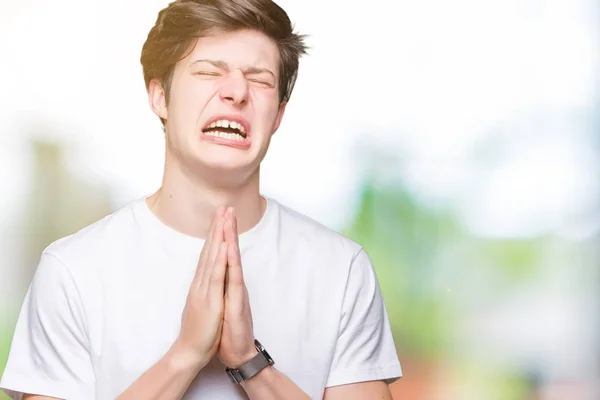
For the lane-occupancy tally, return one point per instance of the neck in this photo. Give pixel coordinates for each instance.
(187, 202)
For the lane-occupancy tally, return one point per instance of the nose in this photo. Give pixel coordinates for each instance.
(234, 89)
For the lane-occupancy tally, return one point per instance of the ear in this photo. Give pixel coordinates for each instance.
(157, 99)
(280, 113)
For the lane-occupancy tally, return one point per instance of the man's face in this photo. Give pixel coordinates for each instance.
(224, 104)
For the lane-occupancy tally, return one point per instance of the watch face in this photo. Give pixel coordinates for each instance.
(268, 356)
(264, 351)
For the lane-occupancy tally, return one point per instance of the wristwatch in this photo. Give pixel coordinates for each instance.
(252, 367)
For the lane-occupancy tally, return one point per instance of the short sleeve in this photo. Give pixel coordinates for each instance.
(49, 352)
(365, 349)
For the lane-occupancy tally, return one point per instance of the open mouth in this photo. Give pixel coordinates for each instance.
(226, 129)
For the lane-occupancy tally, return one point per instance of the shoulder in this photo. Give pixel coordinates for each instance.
(306, 231)
(97, 238)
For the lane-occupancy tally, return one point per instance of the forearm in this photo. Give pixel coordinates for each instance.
(270, 384)
(168, 379)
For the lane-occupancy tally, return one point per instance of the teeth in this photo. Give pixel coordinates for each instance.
(225, 135)
(227, 124)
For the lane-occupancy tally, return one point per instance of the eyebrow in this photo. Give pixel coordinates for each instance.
(223, 65)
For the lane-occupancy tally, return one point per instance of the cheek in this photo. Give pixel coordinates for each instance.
(191, 99)
(267, 106)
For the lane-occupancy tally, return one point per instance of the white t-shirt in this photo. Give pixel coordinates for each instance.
(105, 305)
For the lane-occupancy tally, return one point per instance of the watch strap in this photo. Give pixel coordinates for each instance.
(251, 367)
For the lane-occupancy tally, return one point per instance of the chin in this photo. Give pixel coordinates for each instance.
(223, 160)
(224, 164)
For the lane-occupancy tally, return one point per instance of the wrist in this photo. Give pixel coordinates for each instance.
(239, 361)
(181, 359)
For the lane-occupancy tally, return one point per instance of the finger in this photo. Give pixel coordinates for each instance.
(213, 251)
(235, 229)
(204, 252)
(205, 249)
(229, 230)
(209, 250)
(235, 276)
(216, 284)
(216, 218)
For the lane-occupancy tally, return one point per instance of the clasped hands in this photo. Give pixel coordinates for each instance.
(217, 319)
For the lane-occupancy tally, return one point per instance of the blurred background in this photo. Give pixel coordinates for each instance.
(459, 142)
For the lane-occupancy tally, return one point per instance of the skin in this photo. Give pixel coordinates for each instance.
(211, 191)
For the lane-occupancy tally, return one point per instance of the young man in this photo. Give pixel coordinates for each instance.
(206, 289)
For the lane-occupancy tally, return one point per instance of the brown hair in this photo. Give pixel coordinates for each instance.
(182, 22)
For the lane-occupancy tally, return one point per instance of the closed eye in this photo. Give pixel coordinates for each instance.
(269, 84)
(205, 73)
